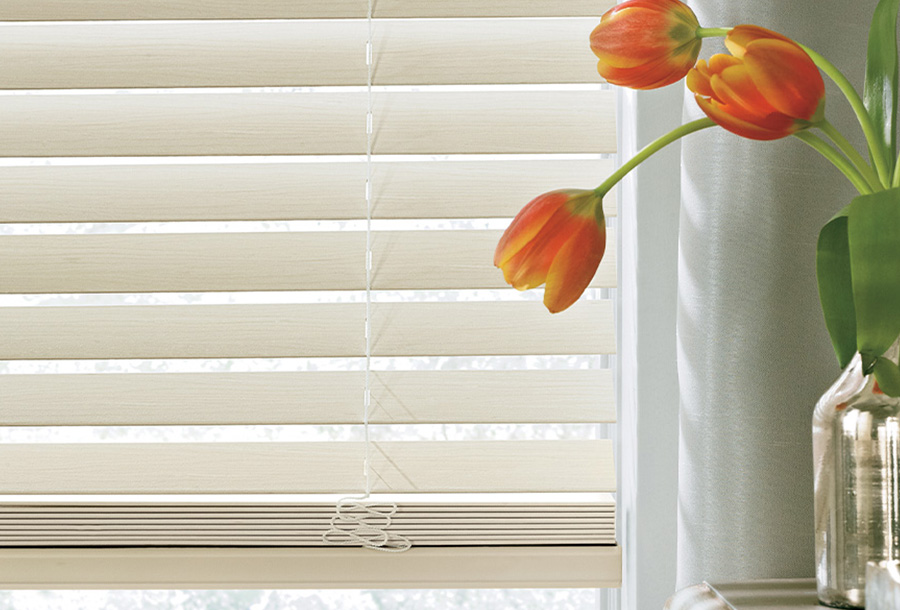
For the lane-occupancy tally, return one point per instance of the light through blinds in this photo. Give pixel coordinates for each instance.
(183, 234)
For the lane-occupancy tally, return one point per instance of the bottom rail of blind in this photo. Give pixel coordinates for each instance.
(311, 568)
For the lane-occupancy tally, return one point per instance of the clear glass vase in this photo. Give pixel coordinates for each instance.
(856, 450)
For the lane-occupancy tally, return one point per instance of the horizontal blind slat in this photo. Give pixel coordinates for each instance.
(414, 467)
(334, 397)
(321, 123)
(287, 191)
(295, 53)
(223, 568)
(42, 10)
(402, 260)
(307, 330)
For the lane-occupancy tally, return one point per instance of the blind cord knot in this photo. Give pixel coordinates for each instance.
(361, 522)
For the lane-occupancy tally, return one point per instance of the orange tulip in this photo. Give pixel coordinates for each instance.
(557, 239)
(768, 88)
(646, 44)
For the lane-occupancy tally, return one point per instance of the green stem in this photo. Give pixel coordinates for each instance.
(848, 149)
(712, 32)
(655, 146)
(896, 181)
(838, 160)
(865, 121)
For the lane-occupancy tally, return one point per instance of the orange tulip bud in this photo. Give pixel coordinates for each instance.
(768, 88)
(557, 239)
(646, 44)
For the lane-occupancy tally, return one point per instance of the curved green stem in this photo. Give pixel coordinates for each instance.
(712, 32)
(647, 151)
(838, 160)
(848, 149)
(865, 121)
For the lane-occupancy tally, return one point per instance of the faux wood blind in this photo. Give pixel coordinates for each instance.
(236, 130)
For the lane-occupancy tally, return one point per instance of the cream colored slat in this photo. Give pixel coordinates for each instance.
(491, 328)
(275, 331)
(577, 503)
(328, 467)
(334, 568)
(403, 260)
(295, 53)
(185, 331)
(49, 10)
(398, 397)
(319, 123)
(435, 530)
(278, 523)
(183, 262)
(495, 122)
(96, 541)
(185, 54)
(484, 51)
(287, 191)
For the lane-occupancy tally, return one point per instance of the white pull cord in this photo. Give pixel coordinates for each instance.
(359, 521)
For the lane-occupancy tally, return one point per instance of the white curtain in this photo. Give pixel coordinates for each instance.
(753, 352)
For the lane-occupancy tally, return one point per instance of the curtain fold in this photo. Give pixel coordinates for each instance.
(753, 352)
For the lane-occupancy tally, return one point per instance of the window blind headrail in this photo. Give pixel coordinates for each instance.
(223, 262)
(398, 397)
(323, 467)
(264, 190)
(40, 10)
(319, 123)
(295, 53)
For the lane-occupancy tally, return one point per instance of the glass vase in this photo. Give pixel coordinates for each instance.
(856, 450)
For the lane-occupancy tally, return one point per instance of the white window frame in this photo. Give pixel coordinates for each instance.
(649, 207)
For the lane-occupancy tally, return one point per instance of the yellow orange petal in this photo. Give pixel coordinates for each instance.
(698, 79)
(528, 223)
(574, 266)
(786, 76)
(734, 88)
(720, 62)
(742, 35)
(774, 127)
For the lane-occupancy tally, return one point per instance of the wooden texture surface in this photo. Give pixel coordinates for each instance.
(550, 566)
(320, 123)
(307, 330)
(398, 397)
(223, 262)
(288, 191)
(295, 53)
(291, 9)
(322, 467)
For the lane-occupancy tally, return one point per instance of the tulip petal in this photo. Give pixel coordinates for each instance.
(659, 73)
(528, 268)
(631, 39)
(776, 126)
(698, 79)
(720, 62)
(741, 36)
(734, 88)
(574, 266)
(786, 76)
(528, 223)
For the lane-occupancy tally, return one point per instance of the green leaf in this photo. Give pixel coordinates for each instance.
(873, 235)
(835, 287)
(888, 376)
(881, 73)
